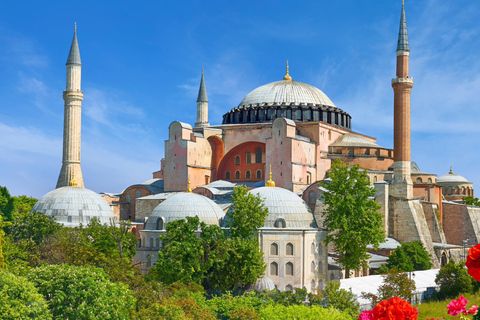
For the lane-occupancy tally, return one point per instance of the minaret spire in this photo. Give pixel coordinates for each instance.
(402, 88)
(202, 104)
(73, 97)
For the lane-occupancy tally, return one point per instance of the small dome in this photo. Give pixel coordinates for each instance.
(72, 206)
(185, 204)
(285, 207)
(451, 178)
(354, 140)
(287, 92)
(264, 283)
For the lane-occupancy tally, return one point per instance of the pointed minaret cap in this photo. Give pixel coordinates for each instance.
(202, 92)
(74, 55)
(270, 182)
(287, 76)
(402, 33)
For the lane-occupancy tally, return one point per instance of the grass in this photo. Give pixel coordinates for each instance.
(438, 309)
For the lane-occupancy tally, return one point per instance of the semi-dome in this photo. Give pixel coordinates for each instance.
(73, 206)
(264, 283)
(285, 209)
(452, 178)
(181, 206)
(288, 99)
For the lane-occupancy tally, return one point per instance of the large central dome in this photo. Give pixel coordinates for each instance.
(287, 99)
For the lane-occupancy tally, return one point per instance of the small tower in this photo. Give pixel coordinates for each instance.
(73, 97)
(202, 105)
(402, 88)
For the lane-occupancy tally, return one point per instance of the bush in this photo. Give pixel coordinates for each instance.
(453, 280)
(410, 256)
(340, 299)
(82, 292)
(19, 299)
(280, 312)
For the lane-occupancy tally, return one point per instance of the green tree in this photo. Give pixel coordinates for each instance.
(351, 215)
(340, 299)
(410, 256)
(7, 204)
(19, 299)
(23, 204)
(82, 292)
(3, 242)
(471, 201)
(34, 226)
(454, 279)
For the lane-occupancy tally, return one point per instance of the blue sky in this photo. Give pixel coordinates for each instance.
(142, 65)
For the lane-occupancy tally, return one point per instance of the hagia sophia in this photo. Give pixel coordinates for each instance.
(279, 141)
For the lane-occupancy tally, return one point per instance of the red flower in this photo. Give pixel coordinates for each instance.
(394, 309)
(473, 310)
(366, 315)
(457, 306)
(473, 262)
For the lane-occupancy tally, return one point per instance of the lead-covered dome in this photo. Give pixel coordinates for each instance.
(285, 209)
(451, 178)
(183, 205)
(72, 206)
(288, 99)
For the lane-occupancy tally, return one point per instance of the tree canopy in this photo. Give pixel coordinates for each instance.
(471, 201)
(351, 214)
(7, 204)
(410, 256)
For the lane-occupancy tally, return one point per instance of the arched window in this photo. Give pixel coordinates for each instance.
(419, 180)
(289, 249)
(350, 153)
(128, 198)
(273, 269)
(151, 242)
(259, 174)
(312, 248)
(289, 269)
(312, 267)
(332, 277)
(249, 157)
(429, 180)
(248, 175)
(313, 285)
(456, 190)
(312, 198)
(138, 193)
(289, 288)
(375, 179)
(274, 249)
(160, 224)
(463, 190)
(258, 155)
(227, 175)
(237, 160)
(280, 223)
(157, 243)
(237, 175)
(309, 177)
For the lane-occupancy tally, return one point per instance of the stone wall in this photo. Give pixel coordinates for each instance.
(144, 207)
(461, 222)
(432, 216)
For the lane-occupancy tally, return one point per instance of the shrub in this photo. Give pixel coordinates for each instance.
(340, 299)
(453, 280)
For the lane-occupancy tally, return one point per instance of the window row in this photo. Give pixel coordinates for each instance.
(288, 269)
(274, 249)
(248, 156)
(248, 175)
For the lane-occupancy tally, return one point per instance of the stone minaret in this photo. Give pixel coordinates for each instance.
(402, 86)
(202, 105)
(73, 97)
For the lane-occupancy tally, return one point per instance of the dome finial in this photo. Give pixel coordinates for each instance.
(451, 170)
(189, 190)
(73, 182)
(287, 76)
(270, 182)
(75, 27)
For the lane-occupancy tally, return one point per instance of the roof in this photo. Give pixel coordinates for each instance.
(286, 92)
(72, 206)
(451, 177)
(202, 91)
(74, 54)
(221, 184)
(402, 44)
(283, 203)
(389, 244)
(185, 204)
(354, 140)
(264, 283)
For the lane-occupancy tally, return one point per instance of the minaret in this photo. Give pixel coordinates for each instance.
(202, 105)
(402, 88)
(73, 97)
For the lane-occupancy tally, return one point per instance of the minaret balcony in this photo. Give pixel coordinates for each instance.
(402, 80)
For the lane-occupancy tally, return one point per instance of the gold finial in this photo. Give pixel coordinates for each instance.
(451, 169)
(202, 70)
(75, 27)
(73, 182)
(189, 190)
(403, 2)
(287, 76)
(270, 182)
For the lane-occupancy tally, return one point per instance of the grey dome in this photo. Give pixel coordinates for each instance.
(287, 92)
(284, 205)
(264, 283)
(72, 206)
(451, 177)
(185, 204)
(287, 99)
